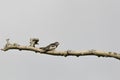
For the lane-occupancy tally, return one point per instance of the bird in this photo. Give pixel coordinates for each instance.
(50, 47)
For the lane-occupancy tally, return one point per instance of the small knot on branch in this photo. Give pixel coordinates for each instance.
(33, 42)
(67, 53)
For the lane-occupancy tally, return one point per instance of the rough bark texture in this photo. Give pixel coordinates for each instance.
(66, 53)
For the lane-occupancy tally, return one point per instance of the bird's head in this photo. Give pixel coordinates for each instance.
(57, 43)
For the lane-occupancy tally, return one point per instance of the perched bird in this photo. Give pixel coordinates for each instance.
(50, 47)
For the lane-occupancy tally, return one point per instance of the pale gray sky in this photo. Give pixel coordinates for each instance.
(76, 24)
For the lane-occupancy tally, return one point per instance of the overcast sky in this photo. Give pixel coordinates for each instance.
(76, 24)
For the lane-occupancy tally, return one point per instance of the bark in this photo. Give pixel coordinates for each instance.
(55, 52)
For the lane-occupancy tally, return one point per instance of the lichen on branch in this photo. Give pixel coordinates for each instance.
(51, 50)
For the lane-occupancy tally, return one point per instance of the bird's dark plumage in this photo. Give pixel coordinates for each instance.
(50, 47)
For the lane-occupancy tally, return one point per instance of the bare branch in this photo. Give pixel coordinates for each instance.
(66, 53)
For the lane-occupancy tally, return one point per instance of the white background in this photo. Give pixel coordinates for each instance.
(76, 24)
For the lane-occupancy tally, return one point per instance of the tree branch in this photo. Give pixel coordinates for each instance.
(66, 53)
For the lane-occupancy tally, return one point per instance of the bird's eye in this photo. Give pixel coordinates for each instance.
(52, 46)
